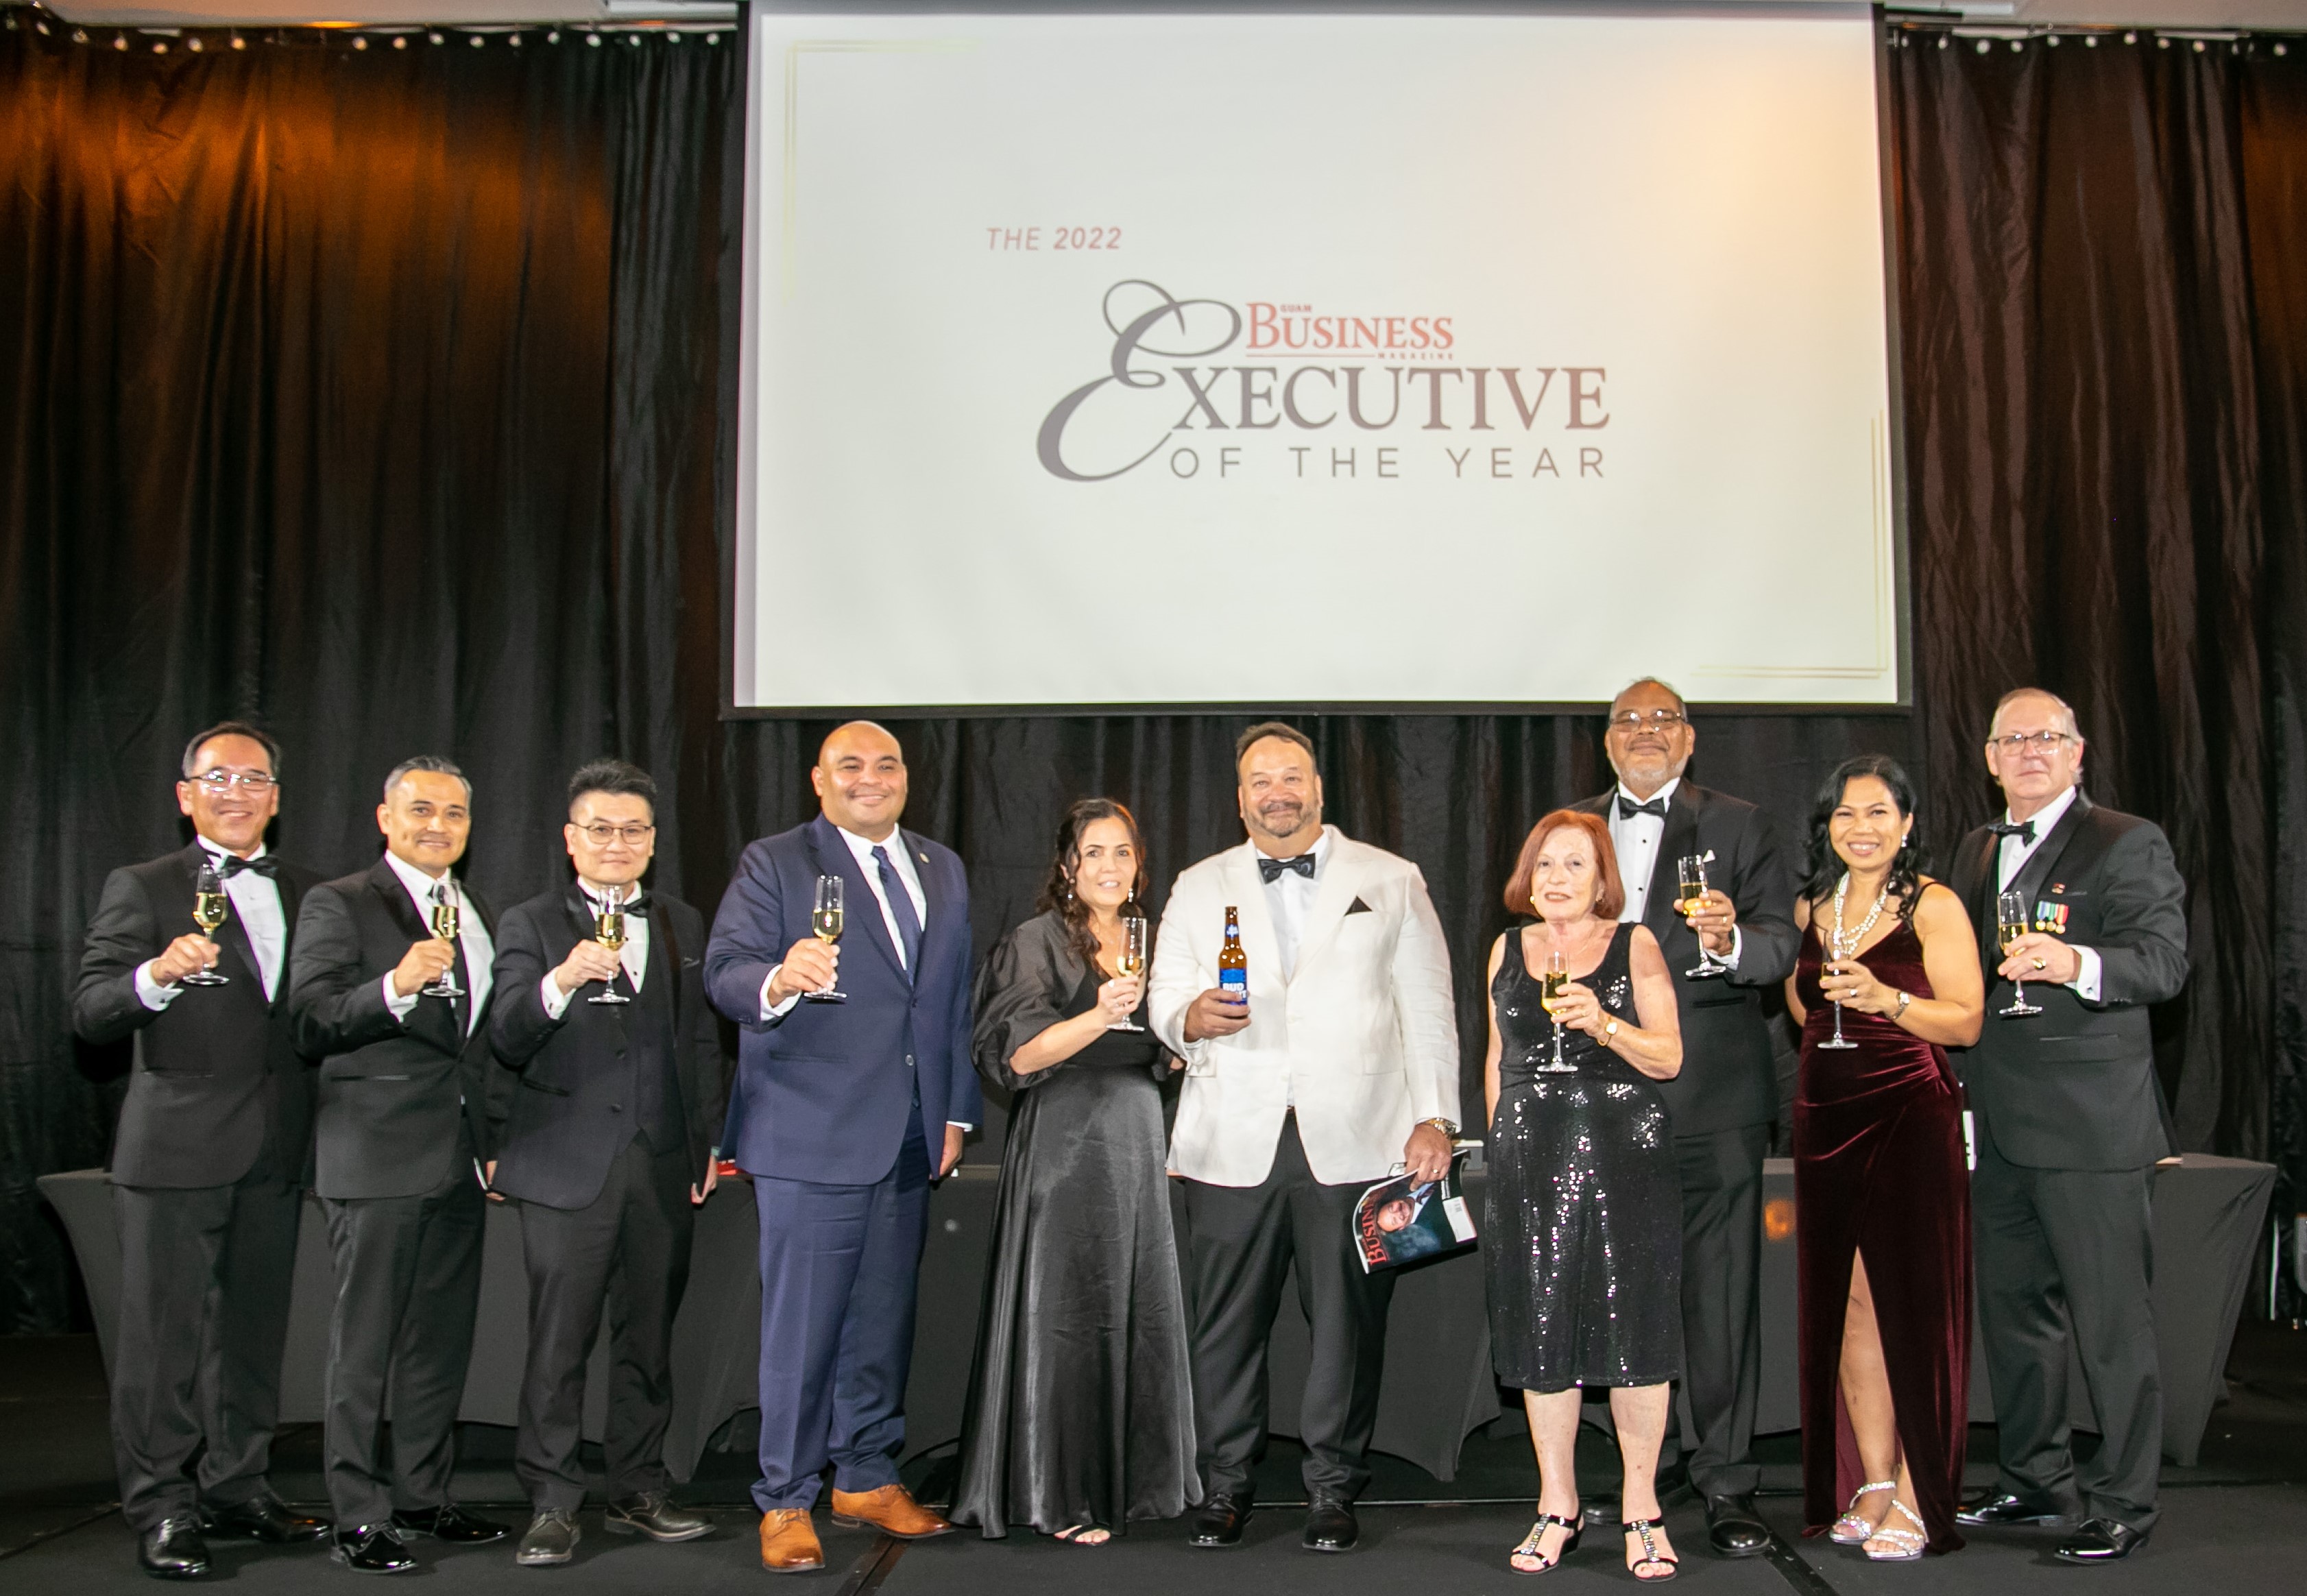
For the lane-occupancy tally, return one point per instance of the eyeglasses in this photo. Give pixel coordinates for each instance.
(601, 834)
(220, 782)
(2012, 742)
(1634, 720)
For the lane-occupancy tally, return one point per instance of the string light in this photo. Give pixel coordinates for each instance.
(79, 35)
(120, 42)
(593, 40)
(514, 40)
(2130, 38)
(400, 43)
(715, 38)
(477, 41)
(238, 43)
(554, 37)
(360, 44)
(193, 44)
(435, 38)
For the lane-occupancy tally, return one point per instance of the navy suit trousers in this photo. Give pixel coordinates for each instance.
(839, 1267)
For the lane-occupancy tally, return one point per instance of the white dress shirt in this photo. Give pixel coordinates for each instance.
(256, 904)
(1289, 898)
(633, 954)
(2013, 859)
(1637, 840)
(902, 858)
(478, 949)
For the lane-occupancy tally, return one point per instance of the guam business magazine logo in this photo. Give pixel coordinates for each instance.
(1274, 390)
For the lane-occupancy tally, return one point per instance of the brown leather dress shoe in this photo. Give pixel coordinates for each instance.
(789, 1542)
(891, 1510)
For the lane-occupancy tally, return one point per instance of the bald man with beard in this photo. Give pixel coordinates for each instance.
(843, 1110)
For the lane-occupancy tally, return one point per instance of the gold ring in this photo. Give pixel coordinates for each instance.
(2040, 965)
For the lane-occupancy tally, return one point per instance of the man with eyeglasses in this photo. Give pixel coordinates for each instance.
(1723, 1102)
(606, 1106)
(209, 1160)
(2069, 1123)
(394, 1003)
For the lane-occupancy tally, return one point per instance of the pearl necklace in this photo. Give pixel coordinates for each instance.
(1846, 944)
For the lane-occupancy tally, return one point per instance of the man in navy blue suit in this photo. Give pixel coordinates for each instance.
(843, 1113)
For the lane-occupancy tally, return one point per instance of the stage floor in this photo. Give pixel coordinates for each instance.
(2239, 1517)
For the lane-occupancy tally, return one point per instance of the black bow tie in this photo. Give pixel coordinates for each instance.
(639, 905)
(2024, 830)
(1269, 870)
(267, 866)
(1628, 809)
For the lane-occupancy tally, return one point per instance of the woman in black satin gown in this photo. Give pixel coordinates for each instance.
(1081, 1414)
(1584, 1238)
(1881, 1198)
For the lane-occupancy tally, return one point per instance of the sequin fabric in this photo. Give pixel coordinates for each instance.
(1583, 1244)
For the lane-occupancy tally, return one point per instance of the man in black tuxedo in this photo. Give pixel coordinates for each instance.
(1724, 1101)
(2069, 1123)
(209, 1160)
(606, 1111)
(400, 1132)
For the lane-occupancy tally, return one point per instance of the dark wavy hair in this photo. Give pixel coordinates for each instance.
(1058, 893)
(1825, 868)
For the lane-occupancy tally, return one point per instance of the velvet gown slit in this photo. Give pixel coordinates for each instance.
(1879, 1174)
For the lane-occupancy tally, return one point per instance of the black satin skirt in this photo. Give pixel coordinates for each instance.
(1081, 1407)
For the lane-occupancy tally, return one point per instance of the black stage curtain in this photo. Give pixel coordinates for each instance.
(387, 396)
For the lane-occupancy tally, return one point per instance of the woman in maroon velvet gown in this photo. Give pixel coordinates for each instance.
(1881, 1196)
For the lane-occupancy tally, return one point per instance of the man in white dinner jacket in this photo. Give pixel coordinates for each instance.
(1340, 1067)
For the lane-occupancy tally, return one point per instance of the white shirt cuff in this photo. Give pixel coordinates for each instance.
(151, 993)
(399, 1006)
(961, 1124)
(2087, 978)
(1729, 961)
(770, 1011)
(556, 1002)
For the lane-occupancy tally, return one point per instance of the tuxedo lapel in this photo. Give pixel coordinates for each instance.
(292, 902)
(1333, 891)
(1679, 838)
(858, 902)
(386, 885)
(2028, 882)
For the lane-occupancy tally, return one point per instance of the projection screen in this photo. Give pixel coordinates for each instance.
(1387, 361)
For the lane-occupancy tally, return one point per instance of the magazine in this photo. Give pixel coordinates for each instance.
(1399, 1221)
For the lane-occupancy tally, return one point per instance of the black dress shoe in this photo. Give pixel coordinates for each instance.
(1733, 1530)
(1994, 1509)
(450, 1523)
(1330, 1526)
(2100, 1540)
(265, 1518)
(372, 1548)
(1220, 1521)
(551, 1538)
(173, 1549)
(652, 1514)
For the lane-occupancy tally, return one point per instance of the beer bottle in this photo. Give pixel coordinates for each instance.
(1233, 965)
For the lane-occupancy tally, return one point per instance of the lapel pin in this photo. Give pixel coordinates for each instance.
(2058, 887)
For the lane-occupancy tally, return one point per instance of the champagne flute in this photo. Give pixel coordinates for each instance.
(445, 926)
(1132, 961)
(825, 923)
(609, 932)
(2009, 925)
(1690, 870)
(1550, 992)
(209, 907)
(1837, 948)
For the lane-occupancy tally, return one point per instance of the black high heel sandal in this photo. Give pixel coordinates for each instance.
(1529, 1547)
(1652, 1556)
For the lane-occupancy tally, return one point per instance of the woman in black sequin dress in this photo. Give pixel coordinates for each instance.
(1583, 1243)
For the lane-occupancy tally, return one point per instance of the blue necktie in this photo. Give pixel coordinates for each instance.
(901, 907)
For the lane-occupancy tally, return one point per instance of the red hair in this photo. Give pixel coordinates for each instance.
(1609, 892)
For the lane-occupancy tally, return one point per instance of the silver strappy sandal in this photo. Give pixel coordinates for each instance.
(1907, 1544)
(1851, 1530)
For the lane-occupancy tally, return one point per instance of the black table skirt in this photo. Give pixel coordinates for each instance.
(2208, 1215)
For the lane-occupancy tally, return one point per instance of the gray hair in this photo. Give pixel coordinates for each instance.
(433, 762)
(2074, 727)
(1680, 703)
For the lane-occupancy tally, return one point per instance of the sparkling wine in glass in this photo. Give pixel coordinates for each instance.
(209, 908)
(2009, 925)
(1132, 960)
(609, 932)
(1550, 989)
(825, 924)
(1690, 871)
(445, 922)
